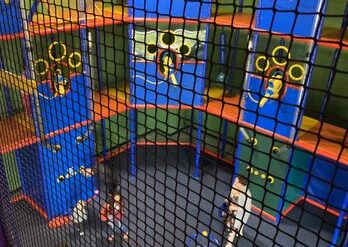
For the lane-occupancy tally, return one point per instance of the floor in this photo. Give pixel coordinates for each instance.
(168, 207)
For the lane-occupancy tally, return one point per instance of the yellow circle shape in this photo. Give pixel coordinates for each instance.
(78, 64)
(205, 233)
(291, 74)
(284, 48)
(50, 54)
(256, 173)
(168, 32)
(257, 63)
(270, 179)
(263, 176)
(47, 66)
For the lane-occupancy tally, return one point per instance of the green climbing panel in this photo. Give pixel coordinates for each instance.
(11, 169)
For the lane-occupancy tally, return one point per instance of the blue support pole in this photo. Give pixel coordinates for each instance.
(222, 64)
(100, 85)
(132, 111)
(198, 144)
(133, 140)
(200, 126)
(339, 223)
(229, 79)
(33, 9)
(222, 59)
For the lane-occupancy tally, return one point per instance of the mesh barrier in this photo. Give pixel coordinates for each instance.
(173, 123)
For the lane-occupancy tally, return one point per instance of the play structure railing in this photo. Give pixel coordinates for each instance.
(247, 90)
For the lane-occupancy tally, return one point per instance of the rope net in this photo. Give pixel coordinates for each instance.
(173, 123)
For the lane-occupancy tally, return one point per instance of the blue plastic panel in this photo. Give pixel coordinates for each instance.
(328, 183)
(297, 17)
(152, 88)
(276, 115)
(63, 111)
(193, 9)
(10, 17)
(30, 173)
(62, 196)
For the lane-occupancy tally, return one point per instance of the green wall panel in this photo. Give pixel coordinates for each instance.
(116, 131)
(212, 133)
(266, 195)
(168, 122)
(297, 175)
(11, 169)
(3, 109)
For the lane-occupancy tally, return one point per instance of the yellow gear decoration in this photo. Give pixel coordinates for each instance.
(50, 54)
(78, 64)
(257, 63)
(284, 48)
(47, 66)
(291, 74)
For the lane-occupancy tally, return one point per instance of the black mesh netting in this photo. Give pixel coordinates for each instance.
(173, 123)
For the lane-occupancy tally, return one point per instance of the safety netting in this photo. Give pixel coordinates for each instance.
(173, 123)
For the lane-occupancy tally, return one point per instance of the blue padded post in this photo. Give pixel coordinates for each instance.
(198, 144)
(100, 84)
(230, 78)
(339, 223)
(133, 140)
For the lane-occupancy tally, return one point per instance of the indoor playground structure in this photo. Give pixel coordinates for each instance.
(166, 104)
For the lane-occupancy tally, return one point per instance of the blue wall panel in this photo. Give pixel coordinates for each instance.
(276, 115)
(153, 88)
(62, 196)
(30, 173)
(328, 182)
(193, 9)
(295, 17)
(10, 17)
(60, 112)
